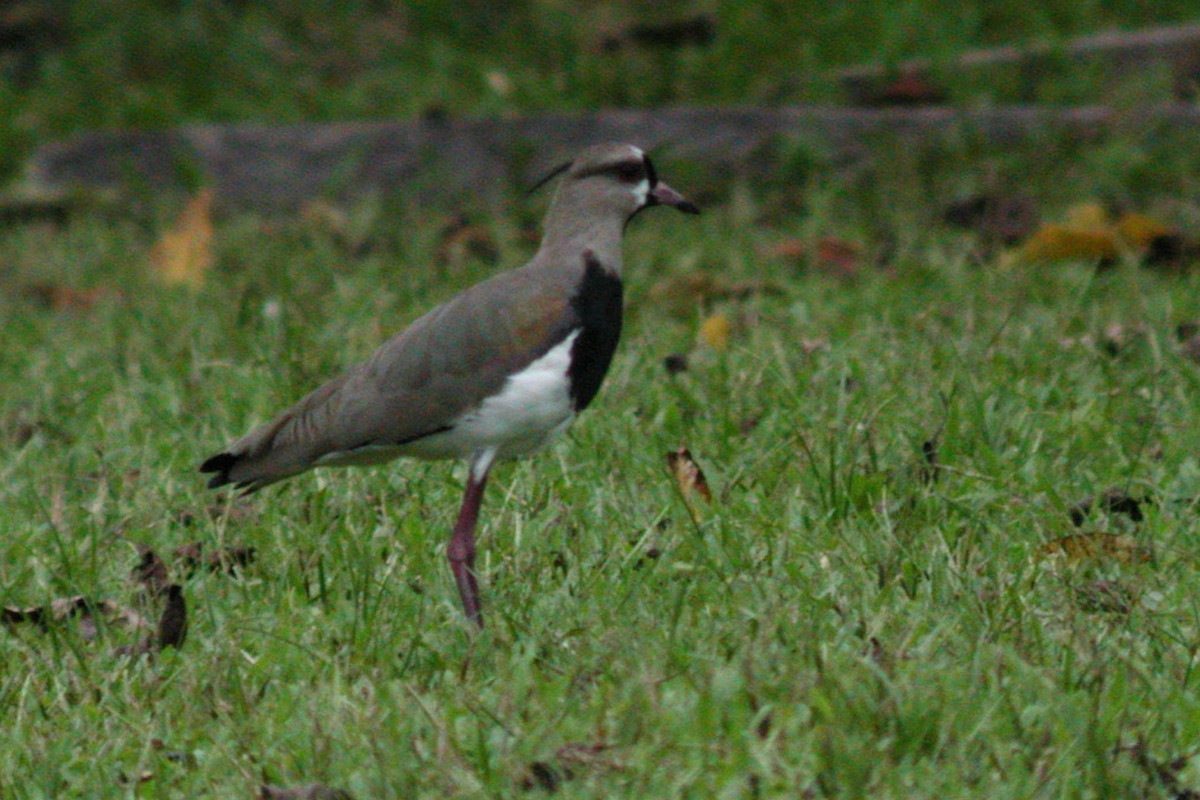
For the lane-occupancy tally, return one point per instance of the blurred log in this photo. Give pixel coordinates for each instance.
(272, 168)
(1121, 51)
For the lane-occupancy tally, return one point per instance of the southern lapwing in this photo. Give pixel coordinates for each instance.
(496, 372)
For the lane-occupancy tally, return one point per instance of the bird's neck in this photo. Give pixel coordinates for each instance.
(568, 235)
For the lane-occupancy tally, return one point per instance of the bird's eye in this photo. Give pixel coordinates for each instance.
(629, 171)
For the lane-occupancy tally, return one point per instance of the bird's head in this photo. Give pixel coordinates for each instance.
(617, 179)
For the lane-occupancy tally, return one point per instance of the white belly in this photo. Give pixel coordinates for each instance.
(532, 408)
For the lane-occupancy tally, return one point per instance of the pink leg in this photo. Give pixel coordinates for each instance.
(461, 550)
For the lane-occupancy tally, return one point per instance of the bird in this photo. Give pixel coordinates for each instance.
(497, 372)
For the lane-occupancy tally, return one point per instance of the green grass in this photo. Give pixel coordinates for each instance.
(829, 625)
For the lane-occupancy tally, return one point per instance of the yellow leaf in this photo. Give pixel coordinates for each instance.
(1119, 547)
(714, 331)
(1139, 230)
(183, 254)
(1061, 243)
(1089, 216)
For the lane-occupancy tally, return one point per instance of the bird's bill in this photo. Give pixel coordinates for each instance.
(663, 195)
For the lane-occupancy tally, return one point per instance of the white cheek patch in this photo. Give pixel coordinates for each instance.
(641, 192)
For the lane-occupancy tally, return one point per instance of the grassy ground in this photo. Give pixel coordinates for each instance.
(836, 622)
(831, 624)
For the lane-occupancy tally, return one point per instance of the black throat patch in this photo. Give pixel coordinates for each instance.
(597, 305)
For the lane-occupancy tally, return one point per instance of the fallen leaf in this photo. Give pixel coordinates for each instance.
(930, 467)
(1089, 232)
(78, 606)
(1119, 547)
(1164, 775)
(837, 257)
(58, 297)
(14, 615)
(1113, 500)
(121, 616)
(912, 88)
(1140, 230)
(1188, 334)
(172, 626)
(1171, 252)
(145, 776)
(313, 791)
(1001, 218)
(1105, 597)
(225, 559)
(151, 571)
(569, 761)
(688, 475)
(715, 331)
(1061, 243)
(675, 363)
(183, 254)
(541, 775)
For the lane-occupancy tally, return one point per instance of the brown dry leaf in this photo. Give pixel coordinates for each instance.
(837, 257)
(569, 761)
(675, 363)
(789, 249)
(1114, 500)
(226, 559)
(58, 297)
(1161, 774)
(183, 254)
(912, 88)
(123, 616)
(312, 791)
(1105, 597)
(114, 614)
(173, 625)
(714, 332)
(688, 474)
(828, 254)
(995, 217)
(1119, 547)
(930, 464)
(1188, 334)
(151, 571)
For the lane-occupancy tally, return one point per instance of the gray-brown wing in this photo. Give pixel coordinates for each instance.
(415, 384)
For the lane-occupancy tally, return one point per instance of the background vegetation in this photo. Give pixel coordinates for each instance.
(887, 594)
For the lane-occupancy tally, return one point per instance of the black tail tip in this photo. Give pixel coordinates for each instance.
(220, 464)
